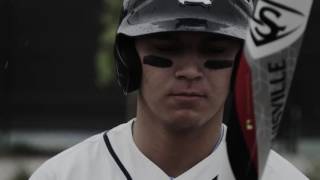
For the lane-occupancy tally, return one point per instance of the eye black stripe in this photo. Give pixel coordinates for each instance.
(157, 61)
(218, 64)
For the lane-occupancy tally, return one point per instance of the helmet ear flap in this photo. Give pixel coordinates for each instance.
(128, 65)
(235, 68)
(229, 101)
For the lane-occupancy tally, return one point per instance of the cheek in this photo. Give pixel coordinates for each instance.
(155, 69)
(219, 82)
(155, 79)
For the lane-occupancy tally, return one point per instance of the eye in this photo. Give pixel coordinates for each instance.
(167, 48)
(214, 50)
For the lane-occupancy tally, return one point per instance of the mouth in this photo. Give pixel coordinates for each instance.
(188, 95)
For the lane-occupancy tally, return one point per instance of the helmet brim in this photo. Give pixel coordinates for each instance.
(182, 25)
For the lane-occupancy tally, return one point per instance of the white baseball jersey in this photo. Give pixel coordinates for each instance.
(113, 155)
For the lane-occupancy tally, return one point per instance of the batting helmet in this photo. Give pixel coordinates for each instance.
(142, 17)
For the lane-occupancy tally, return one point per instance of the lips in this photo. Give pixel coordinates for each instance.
(188, 95)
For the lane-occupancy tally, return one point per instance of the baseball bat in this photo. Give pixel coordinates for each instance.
(262, 81)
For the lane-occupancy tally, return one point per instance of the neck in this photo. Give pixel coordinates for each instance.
(175, 151)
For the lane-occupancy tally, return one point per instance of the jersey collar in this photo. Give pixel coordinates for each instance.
(214, 167)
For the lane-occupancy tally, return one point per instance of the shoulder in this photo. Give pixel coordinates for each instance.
(279, 168)
(68, 158)
(84, 160)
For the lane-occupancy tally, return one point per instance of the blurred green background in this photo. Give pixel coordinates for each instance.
(58, 87)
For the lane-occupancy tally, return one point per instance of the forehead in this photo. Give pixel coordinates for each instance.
(188, 37)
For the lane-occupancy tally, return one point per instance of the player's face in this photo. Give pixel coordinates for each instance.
(185, 76)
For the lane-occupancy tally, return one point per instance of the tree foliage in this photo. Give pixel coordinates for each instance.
(104, 58)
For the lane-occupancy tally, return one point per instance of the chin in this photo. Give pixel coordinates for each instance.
(183, 121)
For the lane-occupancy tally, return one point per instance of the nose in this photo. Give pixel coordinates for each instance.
(189, 69)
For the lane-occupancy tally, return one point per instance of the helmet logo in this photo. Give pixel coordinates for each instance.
(205, 3)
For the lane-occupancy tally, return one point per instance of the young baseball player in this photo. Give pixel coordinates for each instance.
(179, 56)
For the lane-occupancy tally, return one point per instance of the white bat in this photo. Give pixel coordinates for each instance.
(263, 78)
